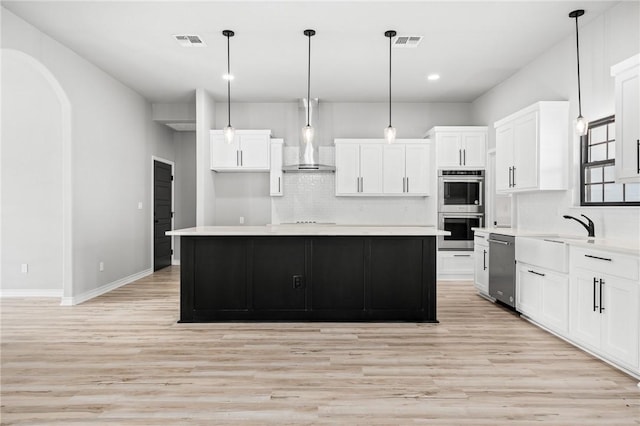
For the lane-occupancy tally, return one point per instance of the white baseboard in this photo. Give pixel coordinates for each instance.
(75, 300)
(31, 292)
(175, 262)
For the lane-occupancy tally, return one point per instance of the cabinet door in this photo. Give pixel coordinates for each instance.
(254, 152)
(620, 319)
(224, 155)
(396, 281)
(504, 157)
(525, 152)
(449, 151)
(393, 172)
(347, 169)
(338, 273)
(276, 261)
(275, 172)
(481, 272)
(585, 318)
(529, 291)
(417, 169)
(628, 126)
(371, 168)
(474, 145)
(555, 302)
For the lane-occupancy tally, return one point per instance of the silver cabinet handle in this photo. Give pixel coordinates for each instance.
(484, 260)
(403, 185)
(460, 157)
(461, 255)
(361, 184)
(407, 184)
(514, 175)
(241, 160)
(237, 158)
(279, 185)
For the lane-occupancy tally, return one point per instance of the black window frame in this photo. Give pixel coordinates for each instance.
(584, 165)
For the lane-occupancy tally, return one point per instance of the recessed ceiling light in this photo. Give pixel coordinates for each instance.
(433, 77)
(228, 77)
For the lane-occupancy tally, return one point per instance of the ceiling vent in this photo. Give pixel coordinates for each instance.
(189, 41)
(407, 42)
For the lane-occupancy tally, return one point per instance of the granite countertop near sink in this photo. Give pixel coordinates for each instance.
(309, 229)
(631, 247)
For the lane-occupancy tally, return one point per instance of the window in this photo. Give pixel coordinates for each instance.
(597, 171)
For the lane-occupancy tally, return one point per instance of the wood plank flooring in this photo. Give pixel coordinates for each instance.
(122, 359)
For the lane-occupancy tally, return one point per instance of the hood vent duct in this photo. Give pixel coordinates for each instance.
(308, 158)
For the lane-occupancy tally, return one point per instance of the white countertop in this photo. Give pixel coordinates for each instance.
(309, 229)
(631, 247)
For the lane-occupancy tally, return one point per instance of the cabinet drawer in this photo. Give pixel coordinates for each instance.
(614, 264)
(481, 240)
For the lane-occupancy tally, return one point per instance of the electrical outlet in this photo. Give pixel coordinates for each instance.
(241, 220)
(24, 268)
(139, 205)
(297, 282)
(101, 266)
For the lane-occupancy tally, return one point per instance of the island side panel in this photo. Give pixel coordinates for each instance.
(186, 278)
(429, 253)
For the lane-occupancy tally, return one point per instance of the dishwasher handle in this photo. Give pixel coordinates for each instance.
(506, 243)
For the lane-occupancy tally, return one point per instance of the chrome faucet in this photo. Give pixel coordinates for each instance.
(588, 226)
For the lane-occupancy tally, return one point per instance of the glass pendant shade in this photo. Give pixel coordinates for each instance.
(390, 134)
(307, 134)
(229, 134)
(581, 126)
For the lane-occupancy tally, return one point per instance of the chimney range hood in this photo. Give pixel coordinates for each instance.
(308, 154)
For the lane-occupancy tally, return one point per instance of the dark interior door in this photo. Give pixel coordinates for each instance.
(161, 214)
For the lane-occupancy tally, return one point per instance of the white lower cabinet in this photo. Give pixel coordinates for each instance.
(543, 296)
(455, 265)
(481, 263)
(604, 315)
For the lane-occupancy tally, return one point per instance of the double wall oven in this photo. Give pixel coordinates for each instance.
(460, 207)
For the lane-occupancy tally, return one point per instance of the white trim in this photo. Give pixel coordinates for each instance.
(175, 262)
(35, 292)
(75, 300)
(173, 209)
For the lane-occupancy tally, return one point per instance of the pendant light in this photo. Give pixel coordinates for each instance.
(390, 131)
(581, 123)
(229, 132)
(307, 131)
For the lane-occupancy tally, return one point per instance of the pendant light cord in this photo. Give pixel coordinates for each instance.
(309, 82)
(578, 61)
(390, 81)
(228, 81)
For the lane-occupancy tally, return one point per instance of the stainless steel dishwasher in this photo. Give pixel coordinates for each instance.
(502, 269)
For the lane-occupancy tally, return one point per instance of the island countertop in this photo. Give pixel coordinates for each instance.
(309, 229)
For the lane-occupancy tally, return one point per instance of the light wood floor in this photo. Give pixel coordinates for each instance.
(122, 359)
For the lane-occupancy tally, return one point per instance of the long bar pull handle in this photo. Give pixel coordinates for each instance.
(514, 175)
(505, 243)
(279, 185)
(241, 159)
(461, 255)
(537, 273)
(509, 177)
(361, 184)
(237, 158)
(598, 257)
(407, 184)
(638, 155)
(595, 281)
(464, 157)
(601, 302)
(484, 260)
(460, 157)
(403, 185)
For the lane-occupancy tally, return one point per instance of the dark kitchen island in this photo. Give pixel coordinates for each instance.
(308, 273)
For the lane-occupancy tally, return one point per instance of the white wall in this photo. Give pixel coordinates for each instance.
(184, 184)
(32, 140)
(605, 41)
(112, 141)
(247, 194)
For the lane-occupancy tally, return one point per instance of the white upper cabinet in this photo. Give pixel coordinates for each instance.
(250, 151)
(373, 168)
(275, 174)
(627, 90)
(532, 148)
(460, 147)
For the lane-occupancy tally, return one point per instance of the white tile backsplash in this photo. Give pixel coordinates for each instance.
(310, 196)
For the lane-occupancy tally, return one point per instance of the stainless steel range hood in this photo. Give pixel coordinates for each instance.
(308, 158)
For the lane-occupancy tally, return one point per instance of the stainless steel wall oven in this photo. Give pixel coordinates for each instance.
(460, 207)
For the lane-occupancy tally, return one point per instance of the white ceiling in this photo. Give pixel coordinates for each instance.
(472, 45)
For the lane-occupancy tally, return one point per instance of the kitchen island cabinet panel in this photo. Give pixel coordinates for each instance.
(338, 273)
(308, 278)
(219, 274)
(393, 261)
(278, 278)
